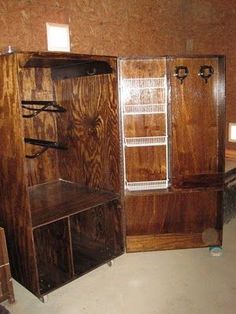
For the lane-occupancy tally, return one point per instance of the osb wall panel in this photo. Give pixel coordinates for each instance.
(129, 27)
(210, 28)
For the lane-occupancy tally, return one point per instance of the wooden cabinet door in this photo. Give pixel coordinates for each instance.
(197, 122)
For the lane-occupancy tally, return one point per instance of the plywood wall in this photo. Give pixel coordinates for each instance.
(129, 27)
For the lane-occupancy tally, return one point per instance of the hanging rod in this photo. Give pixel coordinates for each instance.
(43, 143)
(26, 104)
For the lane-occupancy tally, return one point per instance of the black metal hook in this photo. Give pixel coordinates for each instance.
(206, 71)
(181, 72)
(42, 106)
(44, 144)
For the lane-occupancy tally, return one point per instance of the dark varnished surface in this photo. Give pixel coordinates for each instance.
(167, 242)
(145, 163)
(58, 199)
(96, 237)
(197, 115)
(6, 286)
(178, 217)
(91, 131)
(36, 84)
(14, 199)
(178, 212)
(144, 125)
(90, 128)
(52, 246)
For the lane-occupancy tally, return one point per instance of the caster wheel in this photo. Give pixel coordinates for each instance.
(44, 298)
(215, 251)
(110, 263)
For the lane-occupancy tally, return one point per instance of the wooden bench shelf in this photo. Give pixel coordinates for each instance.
(60, 199)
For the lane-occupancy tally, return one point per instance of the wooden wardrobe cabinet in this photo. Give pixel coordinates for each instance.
(84, 136)
(60, 166)
(172, 112)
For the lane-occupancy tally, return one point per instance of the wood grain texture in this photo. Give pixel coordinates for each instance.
(195, 121)
(14, 198)
(144, 125)
(3, 248)
(36, 84)
(90, 129)
(145, 163)
(55, 200)
(6, 286)
(167, 242)
(52, 246)
(177, 212)
(142, 68)
(96, 237)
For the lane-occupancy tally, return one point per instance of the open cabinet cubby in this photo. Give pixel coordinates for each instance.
(60, 166)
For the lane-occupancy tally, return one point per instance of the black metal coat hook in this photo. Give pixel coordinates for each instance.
(181, 72)
(206, 71)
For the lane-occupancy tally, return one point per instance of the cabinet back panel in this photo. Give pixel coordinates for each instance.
(36, 84)
(90, 130)
(145, 163)
(195, 124)
(144, 125)
(143, 68)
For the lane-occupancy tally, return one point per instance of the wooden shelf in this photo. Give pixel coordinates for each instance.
(59, 199)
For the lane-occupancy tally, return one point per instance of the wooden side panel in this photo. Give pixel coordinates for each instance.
(195, 122)
(90, 129)
(36, 84)
(53, 253)
(6, 287)
(96, 236)
(3, 248)
(168, 216)
(145, 163)
(14, 198)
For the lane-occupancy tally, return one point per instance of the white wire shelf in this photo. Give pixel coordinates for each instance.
(143, 83)
(144, 109)
(145, 141)
(147, 185)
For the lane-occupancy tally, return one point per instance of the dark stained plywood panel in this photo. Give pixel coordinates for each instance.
(144, 125)
(195, 120)
(90, 129)
(36, 84)
(14, 198)
(55, 200)
(168, 242)
(96, 236)
(173, 213)
(145, 163)
(52, 246)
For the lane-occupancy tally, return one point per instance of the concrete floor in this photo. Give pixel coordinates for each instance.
(181, 282)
